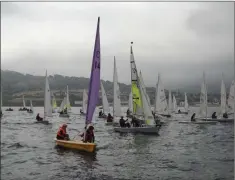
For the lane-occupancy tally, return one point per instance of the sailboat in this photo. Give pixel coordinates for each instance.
(63, 107)
(160, 107)
(105, 103)
(24, 107)
(54, 104)
(47, 102)
(93, 98)
(31, 107)
(203, 106)
(117, 110)
(185, 105)
(84, 103)
(175, 107)
(141, 109)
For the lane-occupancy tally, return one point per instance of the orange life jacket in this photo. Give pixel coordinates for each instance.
(61, 132)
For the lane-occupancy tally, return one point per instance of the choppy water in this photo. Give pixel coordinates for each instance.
(182, 151)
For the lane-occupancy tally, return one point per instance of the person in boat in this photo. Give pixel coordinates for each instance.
(109, 118)
(101, 113)
(179, 111)
(214, 115)
(89, 136)
(225, 115)
(193, 117)
(128, 112)
(62, 134)
(135, 122)
(122, 122)
(81, 111)
(127, 123)
(38, 118)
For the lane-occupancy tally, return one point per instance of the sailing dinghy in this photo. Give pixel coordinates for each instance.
(31, 107)
(47, 102)
(84, 103)
(141, 108)
(105, 103)
(160, 107)
(24, 106)
(203, 107)
(93, 98)
(62, 108)
(117, 110)
(185, 105)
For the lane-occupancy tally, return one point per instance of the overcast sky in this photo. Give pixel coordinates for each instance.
(177, 39)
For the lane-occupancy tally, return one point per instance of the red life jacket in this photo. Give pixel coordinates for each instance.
(61, 132)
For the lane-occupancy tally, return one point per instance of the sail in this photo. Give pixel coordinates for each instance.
(170, 103)
(160, 98)
(84, 101)
(148, 116)
(130, 103)
(203, 98)
(47, 99)
(135, 88)
(1, 100)
(104, 99)
(54, 104)
(222, 97)
(67, 102)
(23, 102)
(31, 105)
(117, 111)
(231, 98)
(62, 105)
(144, 88)
(94, 86)
(185, 102)
(174, 104)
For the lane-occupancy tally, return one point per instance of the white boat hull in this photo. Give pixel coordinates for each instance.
(145, 130)
(63, 115)
(197, 122)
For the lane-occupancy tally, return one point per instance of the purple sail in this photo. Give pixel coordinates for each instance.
(94, 85)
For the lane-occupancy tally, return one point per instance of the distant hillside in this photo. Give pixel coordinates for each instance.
(15, 83)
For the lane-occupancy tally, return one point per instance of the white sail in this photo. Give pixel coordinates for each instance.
(117, 111)
(175, 108)
(203, 98)
(170, 108)
(84, 101)
(62, 105)
(31, 105)
(222, 97)
(130, 103)
(47, 99)
(148, 116)
(144, 88)
(185, 102)
(23, 102)
(160, 98)
(231, 98)
(67, 99)
(104, 100)
(1, 100)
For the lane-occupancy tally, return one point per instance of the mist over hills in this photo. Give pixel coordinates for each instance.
(15, 82)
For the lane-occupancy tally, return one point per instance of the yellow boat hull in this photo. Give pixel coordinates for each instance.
(78, 145)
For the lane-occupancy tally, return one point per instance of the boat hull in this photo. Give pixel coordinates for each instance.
(78, 145)
(145, 130)
(42, 122)
(182, 113)
(63, 115)
(198, 122)
(219, 120)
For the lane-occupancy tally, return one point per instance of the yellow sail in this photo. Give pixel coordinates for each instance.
(54, 103)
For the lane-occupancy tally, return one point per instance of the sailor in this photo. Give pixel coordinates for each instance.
(193, 117)
(100, 113)
(89, 136)
(225, 115)
(214, 115)
(109, 118)
(128, 112)
(122, 122)
(38, 118)
(81, 112)
(62, 134)
(179, 111)
(127, 123)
